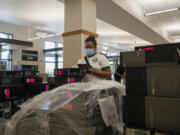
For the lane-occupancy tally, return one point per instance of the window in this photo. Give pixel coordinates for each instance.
(6, 55)
(60, 61)
(53, 57)
(50, 69)
(50, 58)
(50, 45)
(50, 63)
(60, 65)
(7, 36)
(59, 45)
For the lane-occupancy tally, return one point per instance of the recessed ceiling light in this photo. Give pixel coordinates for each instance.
(162, 11)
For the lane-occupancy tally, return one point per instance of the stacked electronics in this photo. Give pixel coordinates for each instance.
(151, 105)
(66, 75)
(17, 87)
(71, 110)
(82, 115)
(34, 84)
(25, 67)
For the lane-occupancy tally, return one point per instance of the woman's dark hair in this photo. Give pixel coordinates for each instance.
(91, 39)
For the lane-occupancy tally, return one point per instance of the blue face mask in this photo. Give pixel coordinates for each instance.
(89, 52)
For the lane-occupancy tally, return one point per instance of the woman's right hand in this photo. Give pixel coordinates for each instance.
(92, 70)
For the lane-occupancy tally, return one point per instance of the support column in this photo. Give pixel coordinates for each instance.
(80, 22)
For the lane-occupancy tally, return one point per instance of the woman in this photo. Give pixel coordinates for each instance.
(99, 68)
(98, 64)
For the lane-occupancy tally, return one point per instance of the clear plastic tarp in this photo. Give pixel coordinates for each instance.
(71, 109)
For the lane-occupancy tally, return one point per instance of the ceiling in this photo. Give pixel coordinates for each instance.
(168, 21)
(49, 15)
(112, 36)
(46, 14)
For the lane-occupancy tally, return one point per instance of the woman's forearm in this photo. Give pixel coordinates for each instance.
(103, 74)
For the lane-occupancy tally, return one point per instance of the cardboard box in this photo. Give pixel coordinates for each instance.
(133, 58)
(44, 77)
(162, 81)
(163, 113)
(134, 111)
(152, 112)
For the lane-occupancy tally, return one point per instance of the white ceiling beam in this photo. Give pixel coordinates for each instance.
(113, 14)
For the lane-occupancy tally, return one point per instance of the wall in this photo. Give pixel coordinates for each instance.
(22, 33)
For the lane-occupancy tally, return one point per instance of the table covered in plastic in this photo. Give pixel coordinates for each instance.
(93, 108)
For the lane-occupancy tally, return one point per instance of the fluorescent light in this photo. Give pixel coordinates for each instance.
(48, 36)
(163, 11)
(41, 34)
(35, 38)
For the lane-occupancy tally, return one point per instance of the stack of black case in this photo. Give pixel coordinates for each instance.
(66, 75)
(17, 87)
(153, 88)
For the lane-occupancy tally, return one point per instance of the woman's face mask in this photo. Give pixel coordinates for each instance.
(89, 51)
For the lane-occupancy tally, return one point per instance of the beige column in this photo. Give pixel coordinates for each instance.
(80, 22)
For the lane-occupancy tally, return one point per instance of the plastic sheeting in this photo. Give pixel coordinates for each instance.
(109, 111)
(71, 109)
